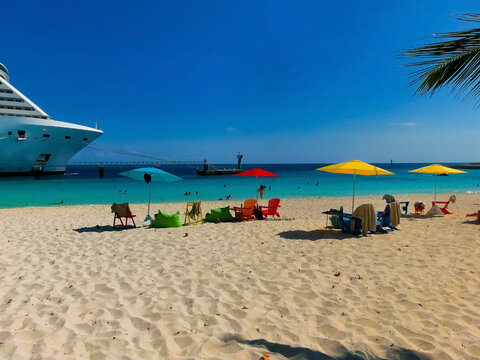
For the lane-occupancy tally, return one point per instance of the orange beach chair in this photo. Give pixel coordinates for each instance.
(246, 212)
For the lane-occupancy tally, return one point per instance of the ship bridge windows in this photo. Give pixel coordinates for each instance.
(6, 91)
(21, 135)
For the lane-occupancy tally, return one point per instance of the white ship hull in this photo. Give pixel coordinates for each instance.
(35, 152)
(30, 141)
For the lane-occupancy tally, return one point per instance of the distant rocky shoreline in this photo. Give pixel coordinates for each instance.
(474, 165)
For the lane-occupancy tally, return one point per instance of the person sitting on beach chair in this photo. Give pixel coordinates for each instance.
(193, 213)
(122, 211)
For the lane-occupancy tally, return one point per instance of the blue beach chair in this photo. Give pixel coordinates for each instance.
(346, 224)
(383, 220)
(404, 205)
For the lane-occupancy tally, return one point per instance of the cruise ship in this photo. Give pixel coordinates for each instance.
(31, 142)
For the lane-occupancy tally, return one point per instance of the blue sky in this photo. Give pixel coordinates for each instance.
(279, 81)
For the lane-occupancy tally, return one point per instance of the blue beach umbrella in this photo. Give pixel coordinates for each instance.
(150, 175)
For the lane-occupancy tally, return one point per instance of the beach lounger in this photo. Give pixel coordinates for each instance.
(122, 211)
(390, 217)
(246, 212)
(349, 224)
(366, 212)
(193, 213)
(383, 217)
(363, 221)
(271, 209)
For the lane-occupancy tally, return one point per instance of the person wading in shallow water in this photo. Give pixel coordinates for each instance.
(260, 190)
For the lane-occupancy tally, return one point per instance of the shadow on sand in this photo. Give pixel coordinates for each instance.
(474, 222)
(302, 353)
(415, 216)
(100, 229)
(315, 235)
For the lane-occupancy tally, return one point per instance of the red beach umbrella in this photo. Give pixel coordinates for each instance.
(257, 173)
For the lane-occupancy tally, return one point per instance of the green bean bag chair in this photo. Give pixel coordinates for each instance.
(222, 214)
(164, 220)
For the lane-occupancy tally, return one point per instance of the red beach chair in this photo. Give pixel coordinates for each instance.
(122, 210)
(477, 214)
(271, 209)
(445, 206)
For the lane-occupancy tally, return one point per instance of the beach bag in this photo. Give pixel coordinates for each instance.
(336, 222)
(258, 214)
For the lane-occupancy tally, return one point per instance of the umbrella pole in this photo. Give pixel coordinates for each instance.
(149, 193)
(353, 193)
(435, 189)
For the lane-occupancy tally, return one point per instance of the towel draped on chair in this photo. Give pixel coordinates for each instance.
(120, 209)
(193, 213)
(366, 212)
(395, 214)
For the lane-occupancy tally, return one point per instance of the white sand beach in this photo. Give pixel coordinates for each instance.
(288, 287)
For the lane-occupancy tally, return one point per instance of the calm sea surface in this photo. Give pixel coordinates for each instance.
(81, 185)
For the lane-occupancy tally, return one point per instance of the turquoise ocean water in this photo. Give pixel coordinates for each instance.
(81, 185)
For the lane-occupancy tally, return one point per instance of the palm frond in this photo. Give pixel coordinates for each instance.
(454, 62)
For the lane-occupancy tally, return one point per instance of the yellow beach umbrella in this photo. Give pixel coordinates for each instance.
(355, 167)
(436, 169)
